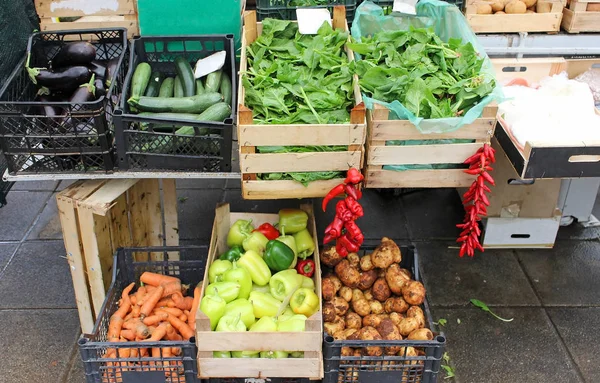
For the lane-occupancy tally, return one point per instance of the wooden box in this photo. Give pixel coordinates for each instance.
(92, 14)
(309, 341)
(577, 18)
(513, 23)
(98, 217)
(531, 69)
(380, 130)
(251, 135)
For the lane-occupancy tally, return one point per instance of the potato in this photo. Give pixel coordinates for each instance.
(408, 325)
(497, 5)
(349, 276)
(416, 312)
(395, 305)
(371, 320)
(340, 305)
(336, 281)
(385, 254)
(483, 8)
(354, 259)
(357, 295)
(367, 278)
(421, 334)
(328, 312)
(366, 264)
(380, 273)
(368, 294)
(407, 352)
(381, 290)
(328, 289)
(388, 331)
(353, 321)
(515, 7)
(500, 13)
(344, 334)
(370, 333)
(334, 326)
(357, 353)
(361, 307)
(396, 318)
(346, 293)
(330, 257)
(376, 307)
(529, 3)
(407, 272)
(347, 351)
(396, 278)
(414, 293)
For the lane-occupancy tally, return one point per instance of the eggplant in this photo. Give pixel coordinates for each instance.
(68, 78)
(100, 90)
(49, 110)
(98, 68)
(111, 69)
(75, 53)
(84, 93)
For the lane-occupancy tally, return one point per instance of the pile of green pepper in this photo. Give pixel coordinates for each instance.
(252, 282)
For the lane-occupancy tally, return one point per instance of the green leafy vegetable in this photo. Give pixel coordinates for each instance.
(447, 368)
(484, 307)
(442, 322)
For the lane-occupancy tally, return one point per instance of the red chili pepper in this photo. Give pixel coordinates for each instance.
(328, 238)
(488, 177)
(463, 249)
(353, 192)
(342, 211)
(485, 199)
(353, 231)
(306, 267)
(332, 194)
(478, 245)
(353, 177)
(480, 181)
(348, 243)
(341, 250)
(473, 171)
(461, 225)
(354, 206)
(462, 239)
(473, 159)
(335, 227)
(268, 231)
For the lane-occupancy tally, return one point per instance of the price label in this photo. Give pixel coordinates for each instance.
(310, 20)
(405, 6)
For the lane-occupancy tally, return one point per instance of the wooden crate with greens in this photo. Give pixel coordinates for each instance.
(301, 120)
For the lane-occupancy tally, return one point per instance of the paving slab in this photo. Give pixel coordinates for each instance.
(76, 372)
(579, 328)
(433, 213)
(494, 277)
(568, 274)
(38, 277)
(20, 212)
(578, 231)
(37, 344)
(196, 210)
(486, 350)
(48, 225)
(35, 185)
(6, 251)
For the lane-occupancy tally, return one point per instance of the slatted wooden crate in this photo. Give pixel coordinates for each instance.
(98, 217)
(92, 14)
(512, 23)
(308, 341)
(578, 17)
(251, 135)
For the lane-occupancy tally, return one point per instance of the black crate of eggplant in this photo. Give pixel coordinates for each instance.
(378, 327)
(178, 105)
(56, 107)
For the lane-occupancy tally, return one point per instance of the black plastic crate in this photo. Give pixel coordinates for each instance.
(35, 143)
(270, 380)
(387, 369)
(388, 4)
(142, 148)
(128, 267)
(286, 9)
(5, 186)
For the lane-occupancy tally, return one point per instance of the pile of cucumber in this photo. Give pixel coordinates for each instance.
(182, 97)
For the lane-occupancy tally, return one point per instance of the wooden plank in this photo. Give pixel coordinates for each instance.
(259, 341)
(531, 69)
(154, 220)
(81, 189)
(92, 256)
(58, 8)
(580, 21)
(257, 190)
(104, 198)
(510, 23)
(170, 216)
(299, 162)
(105, 247)
(308, 134)
(137, 209)
(91, 22)
(429, 178)
(421, 154)
(259, 368)
(119, 218)
(481, 129)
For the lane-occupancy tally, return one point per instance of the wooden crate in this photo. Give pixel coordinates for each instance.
(575, 67)
(309, 341)
(98, 217)
(93, 14)
(250, 136)
(577, 18)
(531, 69)
(380, 130)
(511, 23)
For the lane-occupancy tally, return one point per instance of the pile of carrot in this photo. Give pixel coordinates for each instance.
(158, 310)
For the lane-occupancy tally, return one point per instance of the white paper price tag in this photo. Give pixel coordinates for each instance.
(405, 6)
(210, 64)
(310, 20)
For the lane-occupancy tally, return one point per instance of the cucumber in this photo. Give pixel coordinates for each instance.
(194, 104)
(166, 88)
(177, 88)
(225, 88)
(213, 81)
(165, 126)
(199, 87)
(186, 76)
(217, 112)
(140, 79)
(154, 84)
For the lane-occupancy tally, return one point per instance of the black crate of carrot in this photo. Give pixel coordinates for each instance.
(169, 119)
(148, 360)
(50, 121)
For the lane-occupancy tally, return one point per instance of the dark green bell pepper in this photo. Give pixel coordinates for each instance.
(278, 255)
(232, 254)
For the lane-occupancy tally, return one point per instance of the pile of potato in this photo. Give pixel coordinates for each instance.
(373, 298)
(499, 7)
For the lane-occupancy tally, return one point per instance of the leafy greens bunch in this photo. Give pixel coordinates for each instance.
(294, 78)
(431, 78)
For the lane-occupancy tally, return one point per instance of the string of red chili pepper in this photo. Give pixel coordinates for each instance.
(343, 229)
(475, 200)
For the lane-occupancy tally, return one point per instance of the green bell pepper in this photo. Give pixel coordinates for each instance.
(256, 241)
(297, 354)
(292, 220)
(231, 323)
(241, 307)
(265, 324)
(262, 289)
(274, 354)
(241, 276)
(213, 306)
(226, 290)
(245, 354)
(256, 266)
(305, 302)
(232, 254)
(291, 242)
(278, 256)
(217, 269)
(287, 313)
(295, 323)
(238, 232)
(307, 282)
(304, 243)
(264, 304)
(221, 354)
(284, 283)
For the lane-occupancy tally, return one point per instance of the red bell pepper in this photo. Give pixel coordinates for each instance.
(268, 231)
(306, 267)
(336, 191)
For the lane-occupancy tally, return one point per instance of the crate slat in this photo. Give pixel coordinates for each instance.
(427, 178)
(58, 8)
(309, 134)
(511, 23)
(299, 162)
(93, 22)
(531, 69)
(578, 19)
(281, 189)
(259, 368)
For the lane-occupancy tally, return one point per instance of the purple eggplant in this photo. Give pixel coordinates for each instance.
(49, 110)
(98, 68)
(84, 93)
(111, 69)
(75, 53)
(65, 79)
(100, 90)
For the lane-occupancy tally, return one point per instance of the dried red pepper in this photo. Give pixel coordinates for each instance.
(336, 191)
(353, 177)
(354, 206)
(353, 192)
(342, 211)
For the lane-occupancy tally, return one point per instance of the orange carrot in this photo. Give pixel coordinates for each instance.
(171, 288)
(135, 324)
(155, 279)
(135, 311)
(194, 308)
(159, 333)
(171, 310)
(114, 328)
(185, 330)
(125, 302)
(133, 299)
(124, 352)
(164, 302)
(128, 334)
(183, 318)
(181, 302)
(128, 316)
(149, 304)
(155, 319)
(140, 293)
(134, 353)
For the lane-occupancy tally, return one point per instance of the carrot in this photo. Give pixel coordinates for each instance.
(140, 293)
(181, 302)
(128, 316)
(135, 312)
(149, 304)
(134, 352)
(155, 319)
(164, 302)
(194, 308)
(125, 302)
(183, 318)
(171, 288)
(124, 352)
(185, 330)
(135, 324)
(155, 279)
(133, 299)
(159, 333)
(114, 328)
(170, 310)
(128, 334)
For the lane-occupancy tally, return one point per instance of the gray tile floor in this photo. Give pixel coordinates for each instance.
(553, 295)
